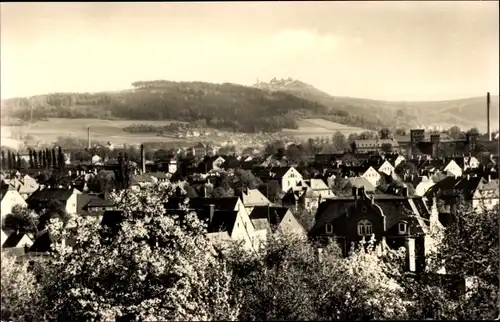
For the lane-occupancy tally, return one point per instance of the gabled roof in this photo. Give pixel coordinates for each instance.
(395, 208)
(274, 215)
(316, 184)
(60, 194)
(360, 182)
(252, 197)
(228, 203)
(14, 239)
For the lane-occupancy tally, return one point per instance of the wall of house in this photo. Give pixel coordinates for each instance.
(452, 169)
(71, 203)
(242, 231)
(386, 168)
(372, 175)
(11, 199)
(290, 225)
(291, 179)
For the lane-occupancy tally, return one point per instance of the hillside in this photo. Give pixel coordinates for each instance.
(224, 106)
(466, 113)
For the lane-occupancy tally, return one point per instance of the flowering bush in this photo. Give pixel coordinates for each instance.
(153, 268)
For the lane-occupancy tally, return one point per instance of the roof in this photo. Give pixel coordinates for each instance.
(274, 215)
(60, 194)
(228, 203)
(316, 184)
(222, 220)
(464, 185)
(395, 209)
(3, 190)
(252, 197)
(360, 182)
(14, 239)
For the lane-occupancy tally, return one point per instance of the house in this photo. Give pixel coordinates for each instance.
(25, 185)
(9, 198)
(318, 186)
(210, 163)
(375, 145)
(202, 150)
(395, 159)
(139, 181)
(477, 191)
(67, 197)
(94, 204)
(386, 168)
(288, 177)
(372, 175)
(422, 184)
(276, 219)
(239, 227)
(394, 221)
(453, 169)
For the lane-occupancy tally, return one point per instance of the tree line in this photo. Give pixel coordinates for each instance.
(224, 106)
(41, 159)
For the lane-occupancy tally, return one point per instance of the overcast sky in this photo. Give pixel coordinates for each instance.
(380, 50)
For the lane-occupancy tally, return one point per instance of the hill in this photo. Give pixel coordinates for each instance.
(224, 106)
(466, 113)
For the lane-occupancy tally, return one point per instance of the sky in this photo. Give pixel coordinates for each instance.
(389, 50)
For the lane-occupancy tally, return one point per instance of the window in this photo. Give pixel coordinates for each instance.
(329, 228)
(364, 228)
(403, 227)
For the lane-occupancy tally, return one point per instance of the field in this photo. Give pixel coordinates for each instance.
(100, 130)
(311, 128)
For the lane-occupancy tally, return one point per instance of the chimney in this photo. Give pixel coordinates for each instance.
(404, 192)
(410, 254)
(212, 210)
(143, 159)
(88, 137)
(489, 177)
(488, 115)
(355, 192)
(361, 192)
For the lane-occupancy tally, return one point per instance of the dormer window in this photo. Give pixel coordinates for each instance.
(403, 227)
(365, 228)
(328, 229)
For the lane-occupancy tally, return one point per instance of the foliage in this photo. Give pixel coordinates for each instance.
(155, 266)
(287, 280)
(20, 291)
(271, 190)
(245, 179)
(21, 219)
(223, 106)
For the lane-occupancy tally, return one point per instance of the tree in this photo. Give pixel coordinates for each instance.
(271, 190)
(41, 159)
(469, 247)
(55, 159)
(4, 160)
(246, 179)
(153, 266)
(353, 147)
(287, 280)
(454, 132)
(32, 164)
(384, 133)
(386, 147)
(400, 132)
(103, 182)
(9, 160)
(339, 141)
(22, 220)
(20, 291)
(35, 159)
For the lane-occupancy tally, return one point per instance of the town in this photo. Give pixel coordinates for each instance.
(397, 189)
(242, 161)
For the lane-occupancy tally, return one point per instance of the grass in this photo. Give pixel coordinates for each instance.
(311, 128)
(100, 130)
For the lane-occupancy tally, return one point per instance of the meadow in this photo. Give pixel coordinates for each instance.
(311, 128)
(48, 131)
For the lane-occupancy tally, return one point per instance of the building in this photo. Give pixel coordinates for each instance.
(394, 221)
(66, 197)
